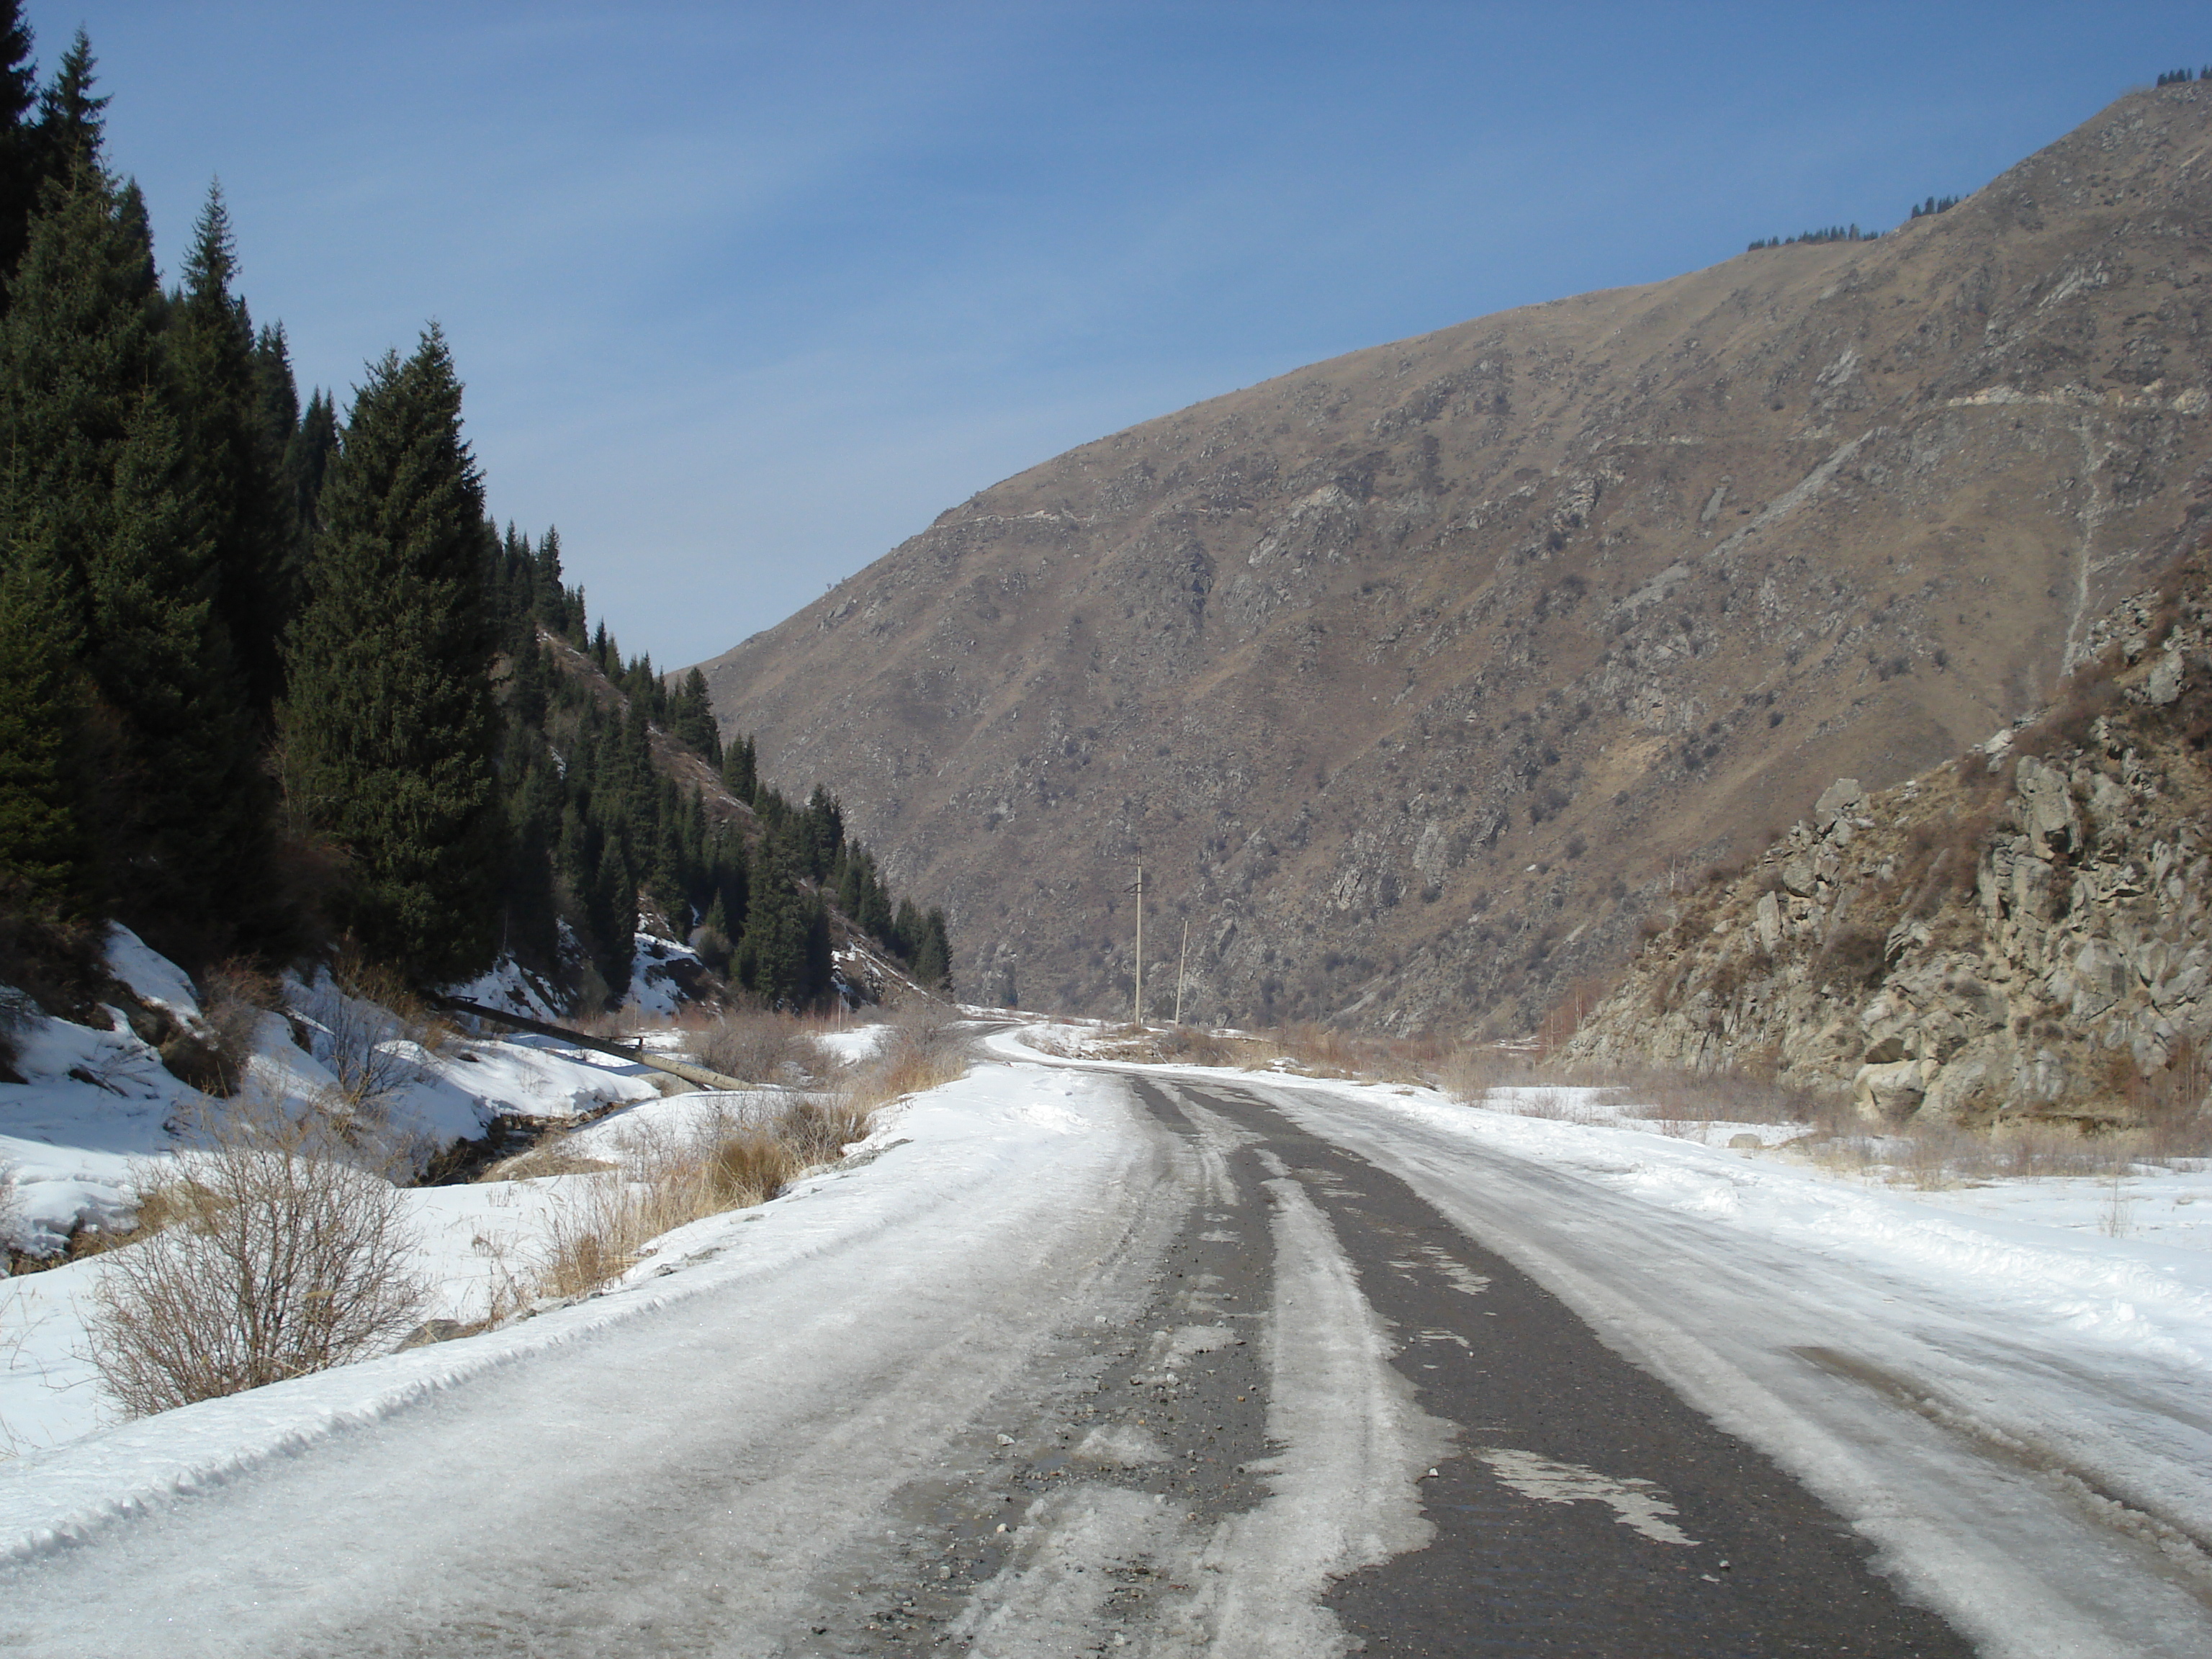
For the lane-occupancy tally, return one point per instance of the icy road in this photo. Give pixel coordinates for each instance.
(1090, 1362)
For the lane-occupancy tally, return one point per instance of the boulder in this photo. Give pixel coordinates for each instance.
(1889, 1093)
(1767, 919)
(2163, 685)
(2054, 828)
(1842, 796)
(1958, 1091)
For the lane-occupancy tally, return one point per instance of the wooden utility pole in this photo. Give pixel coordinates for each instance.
(1183, 961)
(1139, 1020)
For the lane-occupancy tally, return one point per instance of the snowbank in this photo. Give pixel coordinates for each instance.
(934, 1163)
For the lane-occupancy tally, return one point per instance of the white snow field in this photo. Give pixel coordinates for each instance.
(2002, 1388)
(91, 1122)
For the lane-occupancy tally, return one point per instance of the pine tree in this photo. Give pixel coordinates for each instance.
(220, 393)
(98, 504)
(307, 464)
(692, 718)
(388, 722)
(740, 770)
(22, 164)
(72, 122)
(46, 855)
(932, 956)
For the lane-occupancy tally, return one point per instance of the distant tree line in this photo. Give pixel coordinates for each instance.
(1934, 205)
(1832, 233)
(2182, 77)
(267, 678)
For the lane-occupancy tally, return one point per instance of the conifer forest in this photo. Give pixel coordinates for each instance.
(273, 682)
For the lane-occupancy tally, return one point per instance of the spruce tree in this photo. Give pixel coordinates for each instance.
(388, 721)
(45, 858)
(72, 122)
(22, 164)
(307, 463)
(98, 509)
(932, 956)
(221, 392)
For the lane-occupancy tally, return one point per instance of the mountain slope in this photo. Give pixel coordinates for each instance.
(1415, 677)
(2023, 934)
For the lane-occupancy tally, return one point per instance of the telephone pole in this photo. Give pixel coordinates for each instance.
(1139, 1020)
(1183, 961)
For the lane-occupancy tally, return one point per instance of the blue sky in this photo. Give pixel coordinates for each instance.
(745, 294)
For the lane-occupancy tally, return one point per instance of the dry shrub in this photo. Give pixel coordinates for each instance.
(235, 994)
(922, 1049)
(1319, 1048)
(1730, 1095)
(59, 965)
(541, 1161)
(731, 1161)
(749, 1169)
(2090, 692)
(595, 1233)
(2175, 1104)
(1936, 1155)
(16, 1013)
(1469, 1072)
(1576, 1004)
(757, 1046)
(1854, 957)
(1188, 1046)
(271, 1255)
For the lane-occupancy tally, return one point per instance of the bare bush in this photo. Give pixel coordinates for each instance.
(758, 1045)
(1470, 1072)
(922, 1049)
(373, 1048)
(234, 995)
(1720, 1096)
(1188, 1046)
(269, 1255)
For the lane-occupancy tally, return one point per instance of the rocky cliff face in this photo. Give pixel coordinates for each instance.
(1416, 678)
(2025, 932)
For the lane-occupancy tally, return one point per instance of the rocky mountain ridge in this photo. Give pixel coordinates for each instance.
(1416, 678)
(2026, 932)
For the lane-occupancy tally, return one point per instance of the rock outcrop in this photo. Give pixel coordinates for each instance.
(2025, 932)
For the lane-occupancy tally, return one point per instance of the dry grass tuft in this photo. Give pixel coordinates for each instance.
(733, 1160)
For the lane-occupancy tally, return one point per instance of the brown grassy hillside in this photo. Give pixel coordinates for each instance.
(1417, 677)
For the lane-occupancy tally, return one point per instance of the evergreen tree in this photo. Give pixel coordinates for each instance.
(692, 718)
(740, 770)
(307, 463)
(21, 161)
(388, 721)
(933, 955)
(220, 391)
(97, 501)
(45, 853)
(72, 122)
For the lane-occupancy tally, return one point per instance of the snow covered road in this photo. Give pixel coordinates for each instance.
(1180, 1363)
(661, 1470)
